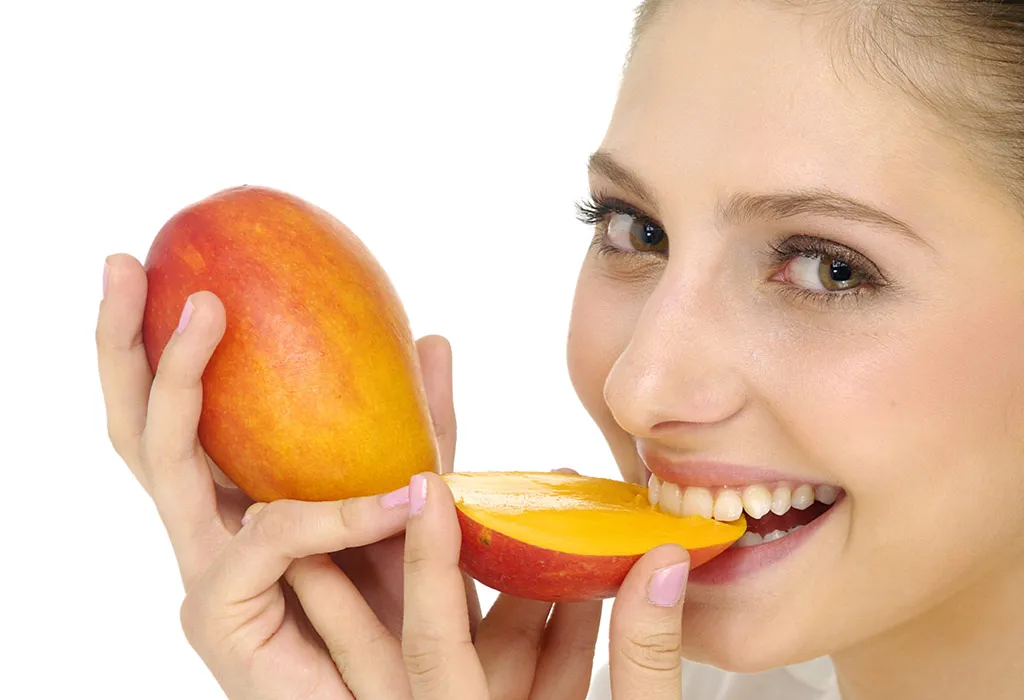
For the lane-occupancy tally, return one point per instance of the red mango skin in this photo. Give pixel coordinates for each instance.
(315, 391)
(527, 571)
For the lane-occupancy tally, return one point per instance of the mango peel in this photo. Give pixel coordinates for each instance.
(564, 537)
(314, 393)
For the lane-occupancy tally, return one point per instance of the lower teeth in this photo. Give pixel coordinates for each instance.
(751, 539)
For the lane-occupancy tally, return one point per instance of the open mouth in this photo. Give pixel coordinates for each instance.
(774, 510)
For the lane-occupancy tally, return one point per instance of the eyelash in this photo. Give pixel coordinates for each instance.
(595, 210)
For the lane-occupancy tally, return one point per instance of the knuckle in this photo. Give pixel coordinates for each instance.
(414, 557)
(191, 617)
(173, 370)
(423, 658)
(148, 451)
(275, 523)
(351, 519)
(118, 439)
(347, 518)
(154, 449)
(165, 376)
(579, 646)
(303, 573)
(658, 652)
(126, 444)
(441, 429)
(341, 648)
(524, 633)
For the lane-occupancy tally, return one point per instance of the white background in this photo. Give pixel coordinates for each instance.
(450, 136)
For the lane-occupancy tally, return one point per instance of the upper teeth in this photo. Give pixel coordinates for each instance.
(727, 504)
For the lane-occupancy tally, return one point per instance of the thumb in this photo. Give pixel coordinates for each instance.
(435, 355)
(646, 626)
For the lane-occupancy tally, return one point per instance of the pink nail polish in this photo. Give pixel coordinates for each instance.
(106, 277)
(398, 497)
(417, 494)
(666, 586)
(186, 314)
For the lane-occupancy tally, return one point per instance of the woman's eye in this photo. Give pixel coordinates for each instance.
(630, 234)
(822, 273)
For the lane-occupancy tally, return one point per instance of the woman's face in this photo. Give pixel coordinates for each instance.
(816, 286)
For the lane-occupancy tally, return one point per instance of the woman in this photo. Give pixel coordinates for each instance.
(803, 288)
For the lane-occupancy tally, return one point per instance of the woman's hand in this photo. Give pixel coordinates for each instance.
(273, 616)
(443, 664)
(243, 621)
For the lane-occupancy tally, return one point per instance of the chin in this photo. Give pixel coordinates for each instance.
(735, 641)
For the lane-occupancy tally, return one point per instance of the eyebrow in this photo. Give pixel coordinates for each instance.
(747, 207)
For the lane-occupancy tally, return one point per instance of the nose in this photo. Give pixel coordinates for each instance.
(678, 370)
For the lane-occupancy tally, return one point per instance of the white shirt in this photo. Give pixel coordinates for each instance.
(813, 680)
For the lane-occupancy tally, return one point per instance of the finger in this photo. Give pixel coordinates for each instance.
(367, 655)
(377, 572)
(435, 354)
(473, 604)
(645, 642)
(275, 534)
(439, 654)
(508, 642)
(567, 660)
(176, 399)
(124, 370)
(177, 468)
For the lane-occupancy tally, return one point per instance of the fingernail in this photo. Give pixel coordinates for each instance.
(417, 494)
(186, 314)
(253, 510)
(398, 497)
(665, 589)
(106, 277)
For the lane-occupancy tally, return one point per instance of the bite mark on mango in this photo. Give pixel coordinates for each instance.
(564, 537)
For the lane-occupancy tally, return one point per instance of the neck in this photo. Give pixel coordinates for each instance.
(970, 646)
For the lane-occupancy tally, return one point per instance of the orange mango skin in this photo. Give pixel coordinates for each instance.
(314, 393)
(527, 571)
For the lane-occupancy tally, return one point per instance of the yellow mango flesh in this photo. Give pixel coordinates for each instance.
(562, 537)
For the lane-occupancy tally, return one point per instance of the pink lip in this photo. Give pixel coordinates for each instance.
(692, 472)
(737, 562)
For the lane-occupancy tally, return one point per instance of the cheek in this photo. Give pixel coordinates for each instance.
(922, 426)
(957, 395)
(602, 323)
(937, 391)
(921, 423)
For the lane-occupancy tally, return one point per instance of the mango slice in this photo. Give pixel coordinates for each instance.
(562, 537)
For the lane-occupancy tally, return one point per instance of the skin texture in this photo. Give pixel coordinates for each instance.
(907, 394)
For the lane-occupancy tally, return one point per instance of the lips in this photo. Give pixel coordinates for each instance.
(709, 473)
(778, 505)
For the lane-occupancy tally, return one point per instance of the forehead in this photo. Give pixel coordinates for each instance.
(741, 94)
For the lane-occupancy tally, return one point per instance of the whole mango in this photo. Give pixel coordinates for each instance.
(315, 391)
